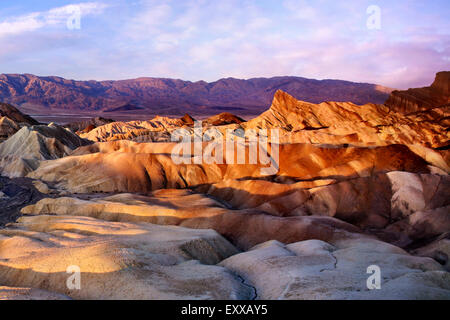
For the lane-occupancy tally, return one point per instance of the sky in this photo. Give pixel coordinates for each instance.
(399, 44)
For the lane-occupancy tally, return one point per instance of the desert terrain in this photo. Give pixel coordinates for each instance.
(360, 180)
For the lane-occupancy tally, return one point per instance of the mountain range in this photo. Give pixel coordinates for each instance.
(175, 97)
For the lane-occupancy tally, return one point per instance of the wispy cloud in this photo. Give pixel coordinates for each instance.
(56, 16)
(207, 40)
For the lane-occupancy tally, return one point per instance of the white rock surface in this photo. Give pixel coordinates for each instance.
(438, 250)
(8, 293)
(21, 153)
(117, 260)
(314, 269)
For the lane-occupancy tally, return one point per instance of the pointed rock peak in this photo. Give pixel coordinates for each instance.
(157, 118)
(7, 110)
(88, 129)
(421, 99)
(285, 103)
(7, 121)
(442, 82)
(282, 95)
(8, 127)
(187, 119)
(224, 118)
(164, 119)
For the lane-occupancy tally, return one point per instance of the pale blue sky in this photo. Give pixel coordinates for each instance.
(207, 40)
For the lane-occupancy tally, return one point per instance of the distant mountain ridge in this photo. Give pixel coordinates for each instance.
(171, 96)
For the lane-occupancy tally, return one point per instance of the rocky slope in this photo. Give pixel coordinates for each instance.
(16, 194)
(176, 97)
(23, 151)
(154, 130)
(302, 122)
(423, 99)
(354, 186)
(7, 128)
(318, 270)
(244, 228)
(11, 293)
(7, 110)
(222, 119)
(142, 261)
(339, 123)
(86, 126)
(145, 261)
(11, 120)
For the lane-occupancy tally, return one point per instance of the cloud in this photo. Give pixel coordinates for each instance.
(301, 10)
(37, 20)
(21, 24)
(207, 40)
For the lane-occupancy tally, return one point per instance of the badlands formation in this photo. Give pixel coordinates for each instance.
(355, 186)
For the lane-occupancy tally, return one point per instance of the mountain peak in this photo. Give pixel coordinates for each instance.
(284, 103)
(442, 82)
(281, 95)
(224, 118)
(422, 99)
(187, 119)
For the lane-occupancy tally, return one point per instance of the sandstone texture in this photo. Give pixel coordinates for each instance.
(318, 270)
(7, 110)
(427, 99)
(117, 260)
(23, 151)
(7, 128)
(339, 191)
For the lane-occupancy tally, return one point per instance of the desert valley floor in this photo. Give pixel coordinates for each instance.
(356, 186)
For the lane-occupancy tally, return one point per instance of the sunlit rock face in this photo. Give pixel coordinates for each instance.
(355, 186)
(397, 207)
(16, 194)
(318, 270)
(23, 151)
(117, 260)
(11, 120)
(85, 126)
(157, 129)
(148, 167)
(244, 228)
(7, 128)
(7, 110)
(432, 99)
(348, 123)
(303, 122)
